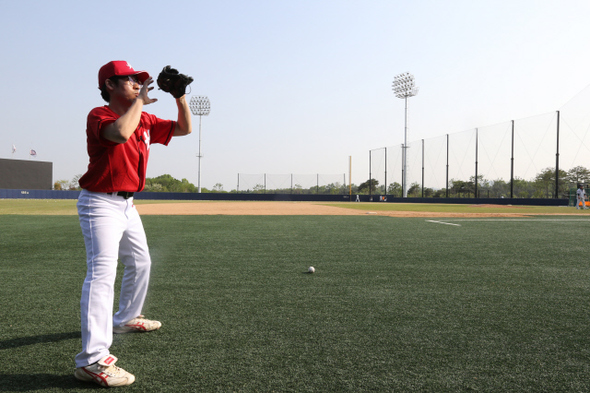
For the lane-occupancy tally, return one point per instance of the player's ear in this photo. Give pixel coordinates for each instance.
(110, 84)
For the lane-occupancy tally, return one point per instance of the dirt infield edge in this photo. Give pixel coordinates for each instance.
(292, 208)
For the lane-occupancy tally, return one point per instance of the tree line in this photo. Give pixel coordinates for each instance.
(541, 186)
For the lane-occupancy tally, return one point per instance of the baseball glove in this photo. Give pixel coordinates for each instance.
(173, 82)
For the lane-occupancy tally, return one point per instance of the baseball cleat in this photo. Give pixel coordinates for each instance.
(137, 325)
(105, 373)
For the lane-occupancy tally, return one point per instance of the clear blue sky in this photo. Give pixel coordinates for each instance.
(295, 86)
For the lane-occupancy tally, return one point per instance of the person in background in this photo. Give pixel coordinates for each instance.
(581, 197)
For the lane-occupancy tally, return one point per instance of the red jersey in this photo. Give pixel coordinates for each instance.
(121, 166)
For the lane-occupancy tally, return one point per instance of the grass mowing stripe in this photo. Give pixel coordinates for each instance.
(394, 305)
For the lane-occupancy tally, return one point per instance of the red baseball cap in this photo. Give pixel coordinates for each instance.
(119, 68)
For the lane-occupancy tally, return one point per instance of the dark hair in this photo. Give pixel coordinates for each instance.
(104, 93)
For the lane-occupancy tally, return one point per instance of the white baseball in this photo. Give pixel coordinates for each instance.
(311, 269)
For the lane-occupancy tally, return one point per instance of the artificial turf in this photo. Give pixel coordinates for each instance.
(396, 304)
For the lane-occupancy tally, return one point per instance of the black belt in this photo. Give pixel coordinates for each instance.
(123, 194)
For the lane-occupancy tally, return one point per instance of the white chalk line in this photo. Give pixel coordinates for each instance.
(442, 222)
(521, 220)
(556, 220)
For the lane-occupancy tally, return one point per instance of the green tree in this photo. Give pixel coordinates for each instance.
(481, 185)
(545, 182)
(499, 188)
(259, 188)
(428, 192)
(577, 175)
(458, 188)
(368, 187)
(395, 189)
(415, 190)
(166, 183)
(522, 188)
(440, 193)
(61, 185)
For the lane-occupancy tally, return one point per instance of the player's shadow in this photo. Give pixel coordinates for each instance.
(44, 338)
(40, 382)
(36, 382)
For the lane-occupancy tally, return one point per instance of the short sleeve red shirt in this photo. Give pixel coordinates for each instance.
(121, 166)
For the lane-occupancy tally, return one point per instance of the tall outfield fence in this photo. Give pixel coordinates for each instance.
(514, 150)
(53, 194)
(292, 183)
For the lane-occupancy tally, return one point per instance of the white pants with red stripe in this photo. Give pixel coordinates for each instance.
(112, 231)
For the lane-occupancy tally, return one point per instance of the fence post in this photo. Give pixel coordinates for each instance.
(512, 165)
(447, 184)
(557, 162)
(422, 168)
(349, 178)
(476, 160)
(370, 176)
(385, 171)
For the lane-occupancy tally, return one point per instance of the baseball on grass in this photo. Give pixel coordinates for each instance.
(311, 269)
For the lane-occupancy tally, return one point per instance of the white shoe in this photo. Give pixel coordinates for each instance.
(105, 373)
(138, 325)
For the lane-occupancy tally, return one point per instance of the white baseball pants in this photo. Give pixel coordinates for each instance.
(112, 231)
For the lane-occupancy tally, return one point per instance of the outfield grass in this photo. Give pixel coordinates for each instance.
(38, 206)
(55, 206)
(396, 304)
(458, 208)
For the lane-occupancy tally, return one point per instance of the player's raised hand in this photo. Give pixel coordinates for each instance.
(145, 89)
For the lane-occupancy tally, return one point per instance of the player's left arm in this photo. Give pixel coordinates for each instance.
(183, 124)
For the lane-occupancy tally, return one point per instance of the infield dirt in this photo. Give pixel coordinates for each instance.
(295, 208)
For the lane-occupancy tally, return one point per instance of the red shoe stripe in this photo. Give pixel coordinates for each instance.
(137, 326)
(101, 379)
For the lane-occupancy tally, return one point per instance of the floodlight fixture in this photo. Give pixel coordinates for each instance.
(200, 106)
(404, 86)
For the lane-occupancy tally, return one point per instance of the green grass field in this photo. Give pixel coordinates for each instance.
(396, 304)
(447, 208)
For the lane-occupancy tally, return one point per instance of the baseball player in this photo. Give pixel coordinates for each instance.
(119, 135)
(581, 197)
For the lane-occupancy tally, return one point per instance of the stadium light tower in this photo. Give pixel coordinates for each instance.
(200, 106)
(404, 87)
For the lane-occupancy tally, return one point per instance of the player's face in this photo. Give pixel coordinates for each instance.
(127, 87)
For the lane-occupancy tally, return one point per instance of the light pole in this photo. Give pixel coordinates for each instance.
(200, 106)
(404, 87)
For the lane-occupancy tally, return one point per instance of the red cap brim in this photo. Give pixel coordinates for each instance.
(119, 68)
